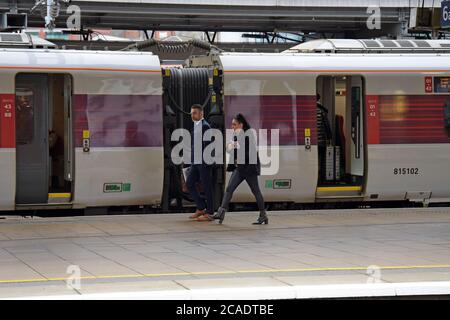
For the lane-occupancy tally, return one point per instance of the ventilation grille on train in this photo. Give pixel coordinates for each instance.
(23, 40)
(372, 46)
(8, 37)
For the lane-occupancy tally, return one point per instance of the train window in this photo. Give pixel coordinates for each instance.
(442, 84)
(24, 115)
(447, 117)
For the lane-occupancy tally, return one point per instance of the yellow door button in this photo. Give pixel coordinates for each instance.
(307, 132)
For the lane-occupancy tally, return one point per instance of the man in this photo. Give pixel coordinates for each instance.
(323, 135)
(324, 130)
(24, 120)
(199, 170)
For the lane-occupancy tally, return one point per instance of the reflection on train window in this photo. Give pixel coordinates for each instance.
(442, 84)
(447, 117)
(24, 116)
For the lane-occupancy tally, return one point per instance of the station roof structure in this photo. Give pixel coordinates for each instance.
(226, 15)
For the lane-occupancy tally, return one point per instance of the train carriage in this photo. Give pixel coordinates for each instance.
(388, 104)
(79, 129)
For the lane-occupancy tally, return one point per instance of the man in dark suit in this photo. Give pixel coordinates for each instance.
(199, 170)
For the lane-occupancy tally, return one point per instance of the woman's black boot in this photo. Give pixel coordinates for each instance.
(262, 219)
(220, 215)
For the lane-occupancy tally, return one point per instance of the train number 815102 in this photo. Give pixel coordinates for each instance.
(405, 171)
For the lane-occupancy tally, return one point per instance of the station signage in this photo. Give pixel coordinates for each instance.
(428, 84)
(445, 14)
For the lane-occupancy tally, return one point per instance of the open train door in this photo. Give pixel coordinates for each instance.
(341, 145)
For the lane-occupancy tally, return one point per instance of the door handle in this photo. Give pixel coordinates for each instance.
(357, 137)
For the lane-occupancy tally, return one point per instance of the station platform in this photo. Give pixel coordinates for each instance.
(300, 254)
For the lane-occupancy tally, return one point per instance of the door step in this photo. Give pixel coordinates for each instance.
(59, 200)
(43, 206)
(338, 192)
(60, 197)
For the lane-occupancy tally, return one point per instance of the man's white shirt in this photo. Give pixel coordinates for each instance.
(196, 123)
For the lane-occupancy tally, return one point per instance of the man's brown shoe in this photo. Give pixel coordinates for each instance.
(198, 213)
(205, 217)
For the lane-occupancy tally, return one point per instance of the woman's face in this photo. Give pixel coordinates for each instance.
(236, 125)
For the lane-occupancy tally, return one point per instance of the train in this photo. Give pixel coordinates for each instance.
(83, 129)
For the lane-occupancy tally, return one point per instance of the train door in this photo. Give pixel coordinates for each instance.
(340, 133)
(32, 161)
(43, 139)
(354, 105)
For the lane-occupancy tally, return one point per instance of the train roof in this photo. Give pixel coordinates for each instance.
(80, 60)
(347, 55)
(339, 62)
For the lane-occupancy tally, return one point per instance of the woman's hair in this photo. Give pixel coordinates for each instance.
(241, 119)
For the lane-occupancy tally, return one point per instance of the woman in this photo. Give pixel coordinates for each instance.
(243, 168)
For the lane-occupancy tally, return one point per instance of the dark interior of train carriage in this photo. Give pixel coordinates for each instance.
(182, 88)
(340, 135)
(447, 117)
(44, 152)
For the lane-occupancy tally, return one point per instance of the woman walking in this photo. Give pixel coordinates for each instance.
(243, 168)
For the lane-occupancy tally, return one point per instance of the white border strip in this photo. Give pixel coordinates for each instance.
(267, 293)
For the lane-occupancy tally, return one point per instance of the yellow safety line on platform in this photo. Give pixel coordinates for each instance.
(153, 275)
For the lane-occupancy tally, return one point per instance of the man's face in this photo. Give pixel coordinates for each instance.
(23, 102)
(196, 114)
